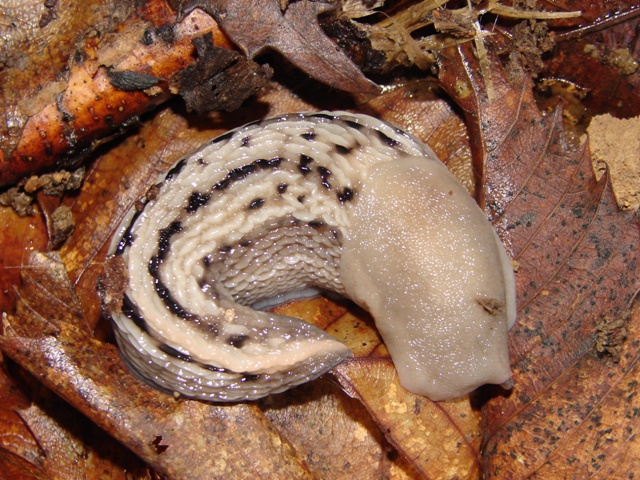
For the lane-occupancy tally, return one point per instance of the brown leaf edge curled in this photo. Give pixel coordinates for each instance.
(577, 265)
(294, 32)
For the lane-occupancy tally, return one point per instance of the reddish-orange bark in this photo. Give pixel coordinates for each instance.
(91, 107)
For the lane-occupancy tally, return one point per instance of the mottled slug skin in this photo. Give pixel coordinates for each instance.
(338, 201)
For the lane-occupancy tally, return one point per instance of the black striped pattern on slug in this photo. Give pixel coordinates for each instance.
(260, 211)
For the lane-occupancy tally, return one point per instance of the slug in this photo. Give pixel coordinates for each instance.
(333, 200)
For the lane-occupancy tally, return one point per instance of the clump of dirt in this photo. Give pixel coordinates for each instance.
(615, 147)
(611, 335)
(21, 197)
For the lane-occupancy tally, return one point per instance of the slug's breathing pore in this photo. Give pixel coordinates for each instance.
(337, 201)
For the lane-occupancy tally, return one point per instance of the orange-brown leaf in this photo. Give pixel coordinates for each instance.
(180, 438)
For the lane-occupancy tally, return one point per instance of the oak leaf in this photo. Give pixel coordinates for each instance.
(577, 269)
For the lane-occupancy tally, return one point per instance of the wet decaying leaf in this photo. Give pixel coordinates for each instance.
(72, 449)
(91, 377)
(577, 263)
(573, 410)
(219, 80)
(600, 52)
(438, 439)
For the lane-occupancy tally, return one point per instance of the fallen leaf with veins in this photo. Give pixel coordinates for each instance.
(577, 263)
(49, 336)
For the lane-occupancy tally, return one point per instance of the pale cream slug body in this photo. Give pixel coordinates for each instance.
(339, 201)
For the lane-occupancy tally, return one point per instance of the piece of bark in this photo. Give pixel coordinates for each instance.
(108, 85)
(220, 79)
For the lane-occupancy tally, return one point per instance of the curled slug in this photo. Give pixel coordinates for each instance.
(338, 201)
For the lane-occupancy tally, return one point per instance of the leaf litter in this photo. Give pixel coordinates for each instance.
(577, 263)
